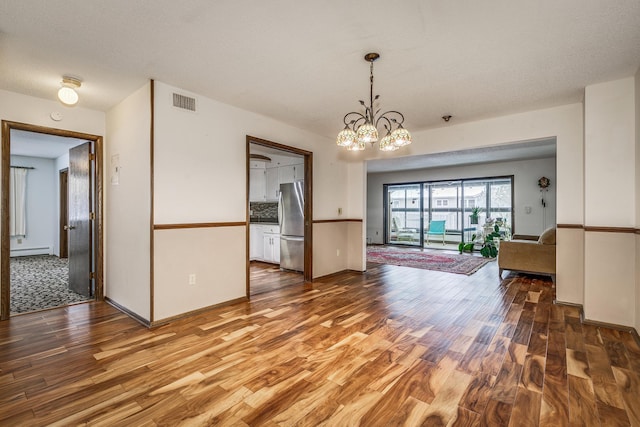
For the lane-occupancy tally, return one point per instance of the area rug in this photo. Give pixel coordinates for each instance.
(39, 282)
(450, 263)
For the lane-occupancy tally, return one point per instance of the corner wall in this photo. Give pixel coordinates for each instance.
(200, 200)
(610, 202)
(637, 219)
(128, 203)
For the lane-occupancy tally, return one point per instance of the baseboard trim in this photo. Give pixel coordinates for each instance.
(134, 316)
(197, 311)
(630, 329)
(570, 304)
(615, 326)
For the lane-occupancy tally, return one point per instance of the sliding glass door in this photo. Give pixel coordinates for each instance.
(403, 214)
(444, 213)
(475, 208)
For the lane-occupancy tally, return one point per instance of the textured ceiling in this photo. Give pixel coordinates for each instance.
(537, 149)
(301, 61)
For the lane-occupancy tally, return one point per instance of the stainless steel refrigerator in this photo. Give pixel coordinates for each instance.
(291, 219)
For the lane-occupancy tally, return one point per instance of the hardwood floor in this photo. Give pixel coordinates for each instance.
(394, 346)
(265, 277)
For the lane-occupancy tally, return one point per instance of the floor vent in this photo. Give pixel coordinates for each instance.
(184, 102)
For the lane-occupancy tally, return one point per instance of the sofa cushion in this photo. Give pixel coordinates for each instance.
(548, 236)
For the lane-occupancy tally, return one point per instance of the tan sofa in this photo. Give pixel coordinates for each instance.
(538, 257)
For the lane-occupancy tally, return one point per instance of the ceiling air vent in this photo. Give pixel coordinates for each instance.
(184, 102)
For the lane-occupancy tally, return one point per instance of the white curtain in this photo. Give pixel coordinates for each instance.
(17, 202)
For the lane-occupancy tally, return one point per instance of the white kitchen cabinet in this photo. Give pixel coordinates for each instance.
(272, 184)
(291, 173)
(256, 234)
(271, 247)
(257, 185)
(286, 174)
(264, 243)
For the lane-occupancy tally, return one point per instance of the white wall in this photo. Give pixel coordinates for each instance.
(610, 168)
(637, 222)
(37, 111)
(128, 204)
(565, 123)
(637, 194)
(200, 176)
(526, 191)
(41, 207)
(610, 154)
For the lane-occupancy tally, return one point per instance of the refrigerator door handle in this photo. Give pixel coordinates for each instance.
(280, 213)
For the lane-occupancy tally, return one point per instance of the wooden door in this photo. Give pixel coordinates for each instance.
(64, 213)
(79, 227)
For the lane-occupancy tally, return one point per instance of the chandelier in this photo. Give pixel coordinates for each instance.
(362, 128)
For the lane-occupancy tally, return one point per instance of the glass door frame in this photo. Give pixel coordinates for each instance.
(387, 217)
(462, 210)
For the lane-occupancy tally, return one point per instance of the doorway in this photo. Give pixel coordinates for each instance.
(84, 222)
(273, 171)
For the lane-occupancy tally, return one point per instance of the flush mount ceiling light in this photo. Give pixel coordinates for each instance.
(67, 93)
(362, 128)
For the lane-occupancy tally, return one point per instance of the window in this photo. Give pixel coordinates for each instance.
(411, 207)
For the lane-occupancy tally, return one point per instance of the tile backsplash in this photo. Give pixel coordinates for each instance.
(263, 211)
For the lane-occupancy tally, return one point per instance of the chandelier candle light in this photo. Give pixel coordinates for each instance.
(362, 128)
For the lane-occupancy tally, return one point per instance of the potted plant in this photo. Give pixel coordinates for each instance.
(467, 246)
(473, 218)
(489, 248)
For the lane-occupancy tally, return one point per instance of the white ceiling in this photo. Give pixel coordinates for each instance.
(31, 144)
(300, 62)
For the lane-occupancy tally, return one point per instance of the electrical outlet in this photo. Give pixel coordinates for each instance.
(339, 211)
(19, 240)
(337, 252)
(192, 279)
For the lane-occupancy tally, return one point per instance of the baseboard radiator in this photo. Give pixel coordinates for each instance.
(45, 250)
